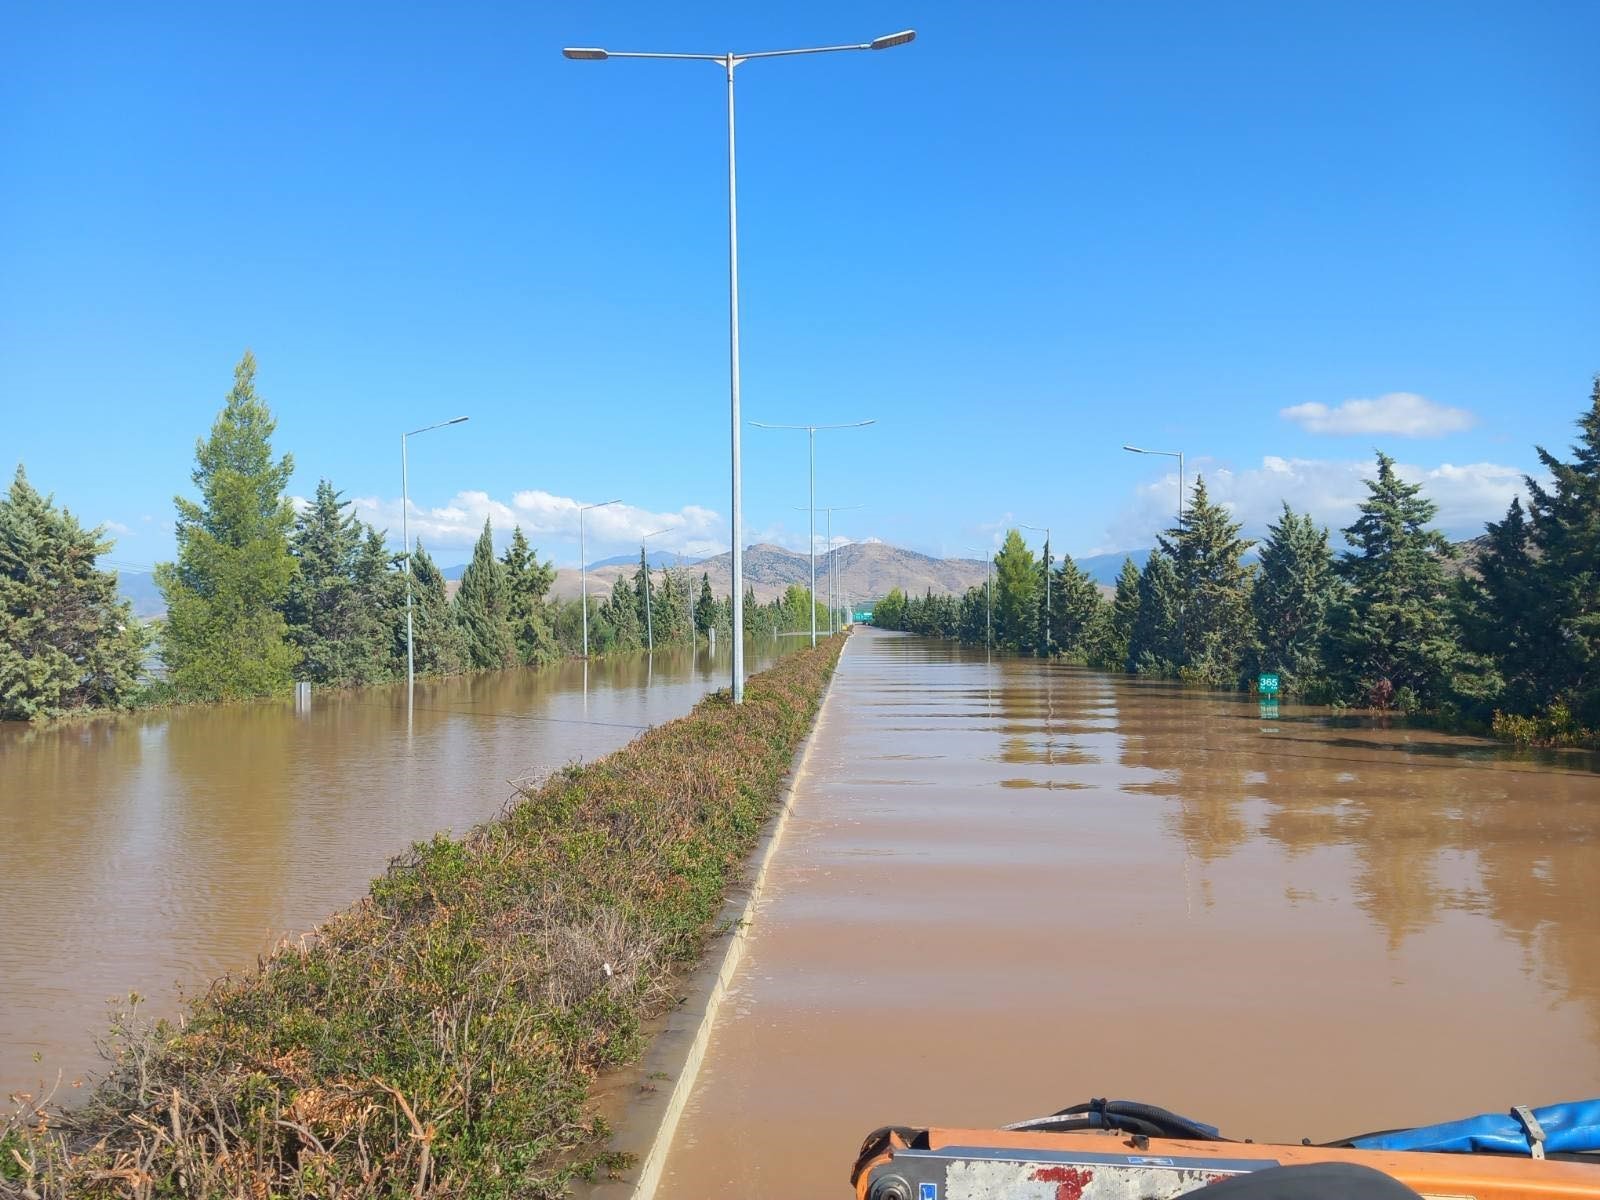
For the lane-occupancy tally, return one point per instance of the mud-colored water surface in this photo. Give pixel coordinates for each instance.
(161, 850)
(1008, 886)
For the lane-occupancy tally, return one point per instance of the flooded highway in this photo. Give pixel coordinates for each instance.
(160, 850)
(1008, 886)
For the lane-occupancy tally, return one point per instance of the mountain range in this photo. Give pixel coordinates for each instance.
(866, 570)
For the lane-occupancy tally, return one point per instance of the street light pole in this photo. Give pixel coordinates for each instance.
(1046, 531)
(729, 62)
(405, 534)
(830, 509)
(649, 621)
(583, 569)
(1177, 454)
(811, 436)
(988, 597)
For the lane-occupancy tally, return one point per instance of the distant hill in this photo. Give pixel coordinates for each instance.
(866, 570)
(658, 560)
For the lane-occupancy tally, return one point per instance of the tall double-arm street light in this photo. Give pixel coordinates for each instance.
(830, 509)
(811, 438)
(405, 534)
(729, 62)
(583, 568)
(1044, 529)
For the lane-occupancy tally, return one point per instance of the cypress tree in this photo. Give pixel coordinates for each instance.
(621, 622)
(1016, 595)
(1294, 592)
(1153, 645)
(66, 641)
(705, 608)
(528, 582)
(1214, 589)
(438, 640)
(1566, 530)
(1392, 638)
(644, 597)
(483, 608)
(225, 634)
(381, 594)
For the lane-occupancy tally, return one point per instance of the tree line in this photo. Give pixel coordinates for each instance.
(260, 595)
(1383, 623)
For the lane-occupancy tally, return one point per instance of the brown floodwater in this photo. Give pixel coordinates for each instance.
(1008, 886)
(157, 851)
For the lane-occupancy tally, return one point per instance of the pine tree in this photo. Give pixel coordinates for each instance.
(66, 641)
(1295, 591)
(1213, 588)
(1154, 647)
(225, 633)
(324, 611)
(437, 637)
(705, 608)
(1111, 647)
(483, 608)
(644, 597)
(1392, 638)
(1075, 606)
(1566, 529)
(528, 582)
(621, 625)
(1016, 595)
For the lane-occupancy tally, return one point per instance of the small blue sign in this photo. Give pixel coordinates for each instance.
(1267, 683)
(927, 1191)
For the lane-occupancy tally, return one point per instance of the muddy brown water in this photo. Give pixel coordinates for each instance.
(1008, 886)
(158, 851)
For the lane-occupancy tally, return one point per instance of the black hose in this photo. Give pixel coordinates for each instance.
(1130, 1116)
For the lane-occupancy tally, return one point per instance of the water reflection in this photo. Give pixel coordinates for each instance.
(166, 848)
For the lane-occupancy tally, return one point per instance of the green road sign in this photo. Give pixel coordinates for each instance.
(1267, 683)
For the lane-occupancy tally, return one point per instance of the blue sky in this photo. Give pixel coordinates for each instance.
(1031, 236)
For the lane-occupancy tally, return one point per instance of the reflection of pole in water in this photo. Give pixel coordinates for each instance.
(586, 687)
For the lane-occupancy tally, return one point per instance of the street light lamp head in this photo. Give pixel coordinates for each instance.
(1135, 449)
(892, 39)
(585, 53)
(456, 420)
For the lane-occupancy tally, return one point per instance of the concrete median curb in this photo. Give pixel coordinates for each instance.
(651, 1114)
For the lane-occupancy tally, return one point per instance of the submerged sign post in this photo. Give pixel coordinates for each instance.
(1267, 683)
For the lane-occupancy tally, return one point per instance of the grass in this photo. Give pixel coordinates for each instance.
(439, 1038)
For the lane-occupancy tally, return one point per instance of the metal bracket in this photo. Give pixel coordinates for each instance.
(1535, 1130)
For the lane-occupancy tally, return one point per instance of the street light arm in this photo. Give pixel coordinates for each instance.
(436, 425)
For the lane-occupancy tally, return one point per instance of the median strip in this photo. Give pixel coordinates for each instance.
(441, 1036)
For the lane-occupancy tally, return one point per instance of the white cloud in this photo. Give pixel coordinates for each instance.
(1404, 413)
(690, 531)
(1467, 494)
(117, 527)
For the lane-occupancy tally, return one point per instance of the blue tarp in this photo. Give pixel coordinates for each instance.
(1570, 1128)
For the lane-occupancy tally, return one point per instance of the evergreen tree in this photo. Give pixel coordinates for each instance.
(225, 633)
(1505, 613)
(1049, 635)
(890, 612)
(66, 641)
(1566, 530)
(1153, 644)
(483, 608)
(528, 582)
(644, 597)
(381, 594)
(1111, 646)
(1392, 638)
(621, 624)
(1295, 591)
(1075, 606)
(439, 644)
(1213, 588)
(1016, 595)
(327, 616)
(705, 609)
